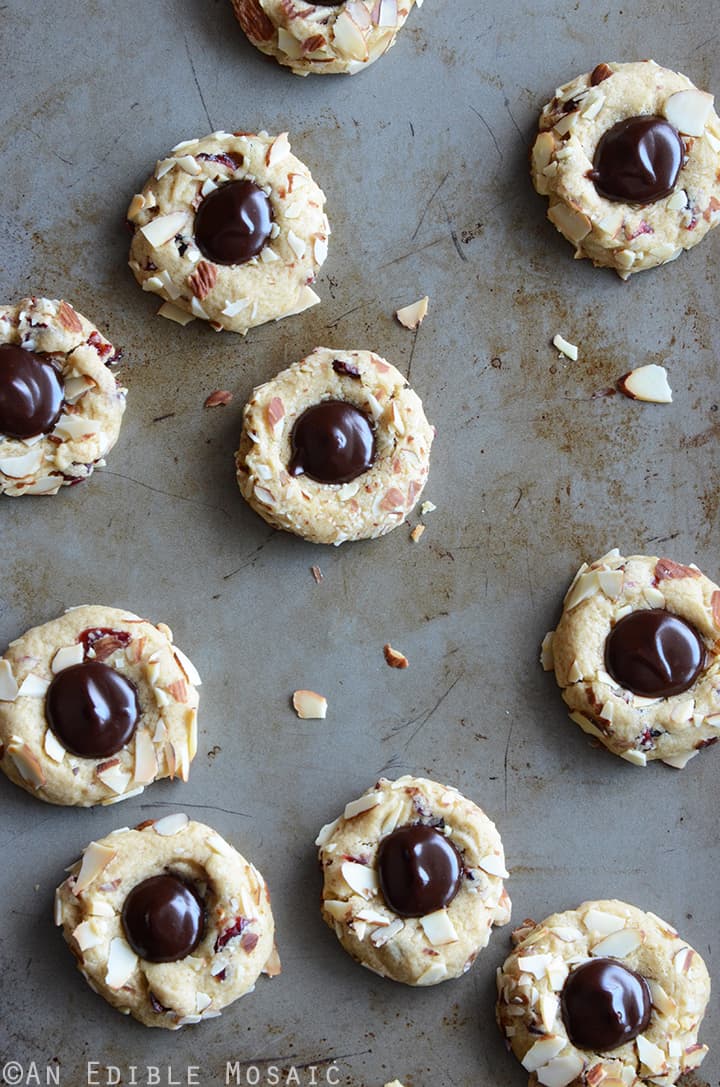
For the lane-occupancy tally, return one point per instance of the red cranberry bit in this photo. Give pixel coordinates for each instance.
(103, 641)
(241, 923)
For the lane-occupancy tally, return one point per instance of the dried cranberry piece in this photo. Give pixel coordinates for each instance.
(103, 641)
(156, 1005)
(241, 923)
(232, 161)
(96, 341)
(347, 368)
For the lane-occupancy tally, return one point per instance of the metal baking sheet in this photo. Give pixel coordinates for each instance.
(423, 160)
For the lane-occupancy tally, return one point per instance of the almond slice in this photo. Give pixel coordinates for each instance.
(542, 1053)
(360, 878)
(171, 824)
(549, 1008)
(8, 686)
(33, 686)
(561, 1071)
(618, 945)
(115, 778)
(689, 111)
(173, 313)
(95, 860)
(86, 936)
(305, 299)
(382, 936)
(569, 350)
(393, 657)
(433, 974)
(122, 961)
(53, 748)
(603, 923)
(413, 315)
(493, 865)
(21, 467)
(438, 928)
(67, 656)
(279, 149)
(162, 229)
(648, 383)
(362, 804)
(535, 964)
(26, 763)
(145, 767)
(348, 38)
(650, 1055)
(310, 706)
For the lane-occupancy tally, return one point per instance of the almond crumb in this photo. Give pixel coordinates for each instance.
(218, 399)
(417, 533)
(394, 658)
(317, 573)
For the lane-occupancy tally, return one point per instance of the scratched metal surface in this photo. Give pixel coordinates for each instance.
(423, 160)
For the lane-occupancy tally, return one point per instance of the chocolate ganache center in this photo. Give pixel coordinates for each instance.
(233, 223)
(92, 709)
(638, 160)
(163, 918)
(332, 442)
(654, 654)
(31, 393)
(420, 870)
(604, 1005)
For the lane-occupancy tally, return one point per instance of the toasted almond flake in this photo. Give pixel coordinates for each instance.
(535, 964)
(360, 878)
(619, 944)
(433, 974)
(394, 658)
(122, 961)
(567, 123)
(275, 411)
(689, 111)
(173, 313)
(95, 859)
(574, 673)
(115, 778)
(682, 960)
(191, 673)
(189, 164)
(297, 245)
(650, 1055)
(694, 1056)
(679, 762)
(603, 923)
(197, 309)
(561, 1071)
(326, 833)
(542, 1053)
(547, 659)
(549, 1008)
(86, 935)
(171, 824)
(438, 928)
(75, 387)
(566, 933)
(68, 318)
(279, 149)
(26, 763)
(123, 796)
(8, 686)
(591, 106)
(337, 909)
(660, 999)
(494, 865)
(320, 250)
(557, 973)
(164, 167)
(53, 748)
(218, 399)
(413, 315)
(574, 225)
(382, 936)
(309, 705)
(647, 383)
(145, 767)
(585, 586)
(24, 465)
(162, 229)
(637, 758)
(373, 917)
(317, 574)
(417, 533)
(362, 804)
(348, 38)
(75, 427)
(611, 582)
(566, 348)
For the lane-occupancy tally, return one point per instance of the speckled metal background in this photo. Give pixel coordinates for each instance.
(423, 159)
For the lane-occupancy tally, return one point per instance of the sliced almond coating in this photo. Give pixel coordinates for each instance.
(21, 467)
(387, 13)
(433, 974)
(542, 1053)
(651, 1056)
(549, 1008)
(574, 673)
(637, 758)
(338, 910)
(122, 961)
(360, 878)
(682, 960)
(191, 673)
(95, 860)
(689, 111)
(309, 705)
(660, 999)
(115, 778)
(603, 923)
(611, 582)
(679, 762)
(273, 967)
(145, 767)
(232, 309)
(164, 228)
(32, 686)
(76, 428)
(66, 657)
(566, 933)
(653, 597)
(438, 928)
(279, 149)
(348, 38)
(694, 1056)
(86, 935)
(566, 348)
(52, 747)
(574, 225)
(363, 803)
(326, 833)
(171, 824)
(297, 244)
(382, 936)
(8, 686)
(535, 964)
(547, 659)
(413, 315)
(373, 917)
(320, 250)
(26, 763)
(557, 973)
(561, 1071)
(619, 944)
(305, 299)
(648, 383)
(585, 586)
(494, 865)
(173, 313)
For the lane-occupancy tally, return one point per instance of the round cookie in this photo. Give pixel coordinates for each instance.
(94, 706)
(323, 38)
(60, 408)
(629, 157)
(231, 229)
(167, 922)
(655, 625)
(335, 448)
(603, 994)
(413, 880)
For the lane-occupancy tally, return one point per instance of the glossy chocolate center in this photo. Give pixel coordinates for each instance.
(332, 442)
(654, 654)
(163, 918)
(233, 223)
(92, 709)
(638, 160)
(31, 393)
(604, 1005)
(420, 870)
